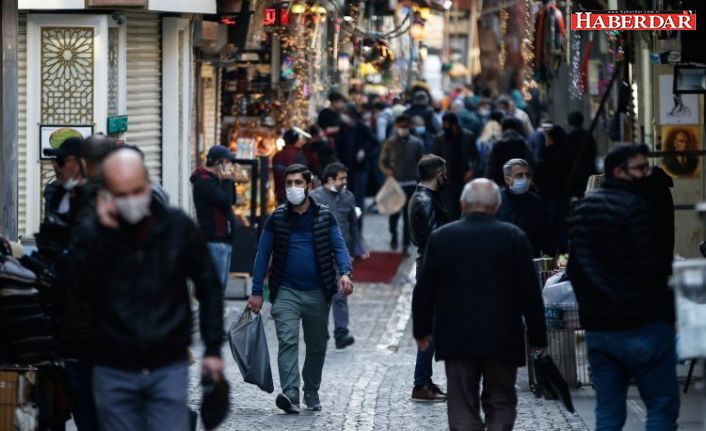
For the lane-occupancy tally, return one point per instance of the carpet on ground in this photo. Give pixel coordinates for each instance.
(380, 267)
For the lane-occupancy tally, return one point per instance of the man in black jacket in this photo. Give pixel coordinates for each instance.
(214, 197)
(477, 284)
(426, 213)
(131, 264)
(526, 209)
(458, 147)
(620, 281)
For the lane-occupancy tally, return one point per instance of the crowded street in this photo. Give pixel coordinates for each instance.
(367, 385)
(355, 215)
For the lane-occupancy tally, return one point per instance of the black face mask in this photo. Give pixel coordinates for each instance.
(442, 181)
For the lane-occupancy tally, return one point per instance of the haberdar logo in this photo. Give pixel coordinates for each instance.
(634, 20)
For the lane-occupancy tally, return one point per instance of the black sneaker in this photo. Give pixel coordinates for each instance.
(311, 399)
(344, 341)
(287, 404)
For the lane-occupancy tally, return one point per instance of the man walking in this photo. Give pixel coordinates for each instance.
(398, 159)
(458, 147)
(525, 209)
(214, 197)
(477, 284)
(617, 271)
(131, 264)
(426, 213)
(307, 251)
(341, 203)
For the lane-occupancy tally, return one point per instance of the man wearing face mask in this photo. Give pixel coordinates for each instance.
(304, 241)
(456, 145)
(70, 173)
(335, 195)
(426, 213)
(618, 273)
(398, 159)
(526, 209)
(141, 255)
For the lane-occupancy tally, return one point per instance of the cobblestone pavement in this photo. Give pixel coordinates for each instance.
(368, 385)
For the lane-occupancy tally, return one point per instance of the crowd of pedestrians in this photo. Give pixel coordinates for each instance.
(486, 192)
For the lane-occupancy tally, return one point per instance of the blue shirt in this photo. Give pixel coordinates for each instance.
(301, 270)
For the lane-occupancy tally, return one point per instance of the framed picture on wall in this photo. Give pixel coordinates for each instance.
(676, 108)
(681, 145)
(52, 136)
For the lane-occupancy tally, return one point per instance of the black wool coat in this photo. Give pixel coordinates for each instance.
(476, 285)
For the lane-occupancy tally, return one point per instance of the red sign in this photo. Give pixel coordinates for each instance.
(634, 20)
(270, 18)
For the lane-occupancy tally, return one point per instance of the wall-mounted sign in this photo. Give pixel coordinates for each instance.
(271, 18)
(116, 3)
(117, 124)
(52, 136)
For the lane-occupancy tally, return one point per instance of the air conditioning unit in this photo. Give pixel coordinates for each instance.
(210, 36)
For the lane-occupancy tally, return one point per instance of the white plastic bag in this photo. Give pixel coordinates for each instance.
(391, 198)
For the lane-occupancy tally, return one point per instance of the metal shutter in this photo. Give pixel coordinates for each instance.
(22, 122)
(144, 88)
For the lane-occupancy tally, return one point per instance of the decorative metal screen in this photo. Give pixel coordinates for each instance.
(113, 71)
(67, 75)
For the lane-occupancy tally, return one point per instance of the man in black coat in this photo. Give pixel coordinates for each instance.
(620, 280)
(458, 147)
(477, 283)
(426, 213)
(526, 209)
(131, 264)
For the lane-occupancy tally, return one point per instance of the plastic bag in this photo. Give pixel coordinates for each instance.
(391, 198)
(249, 346)
(558, 290)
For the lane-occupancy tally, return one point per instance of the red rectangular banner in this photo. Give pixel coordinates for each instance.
(636, 21)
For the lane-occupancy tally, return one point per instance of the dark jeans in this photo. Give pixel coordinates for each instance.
(394, 219)
(498, 398)
(423, 369)
(339, 307)
(359, 188)
(647, 356)
(78, 377)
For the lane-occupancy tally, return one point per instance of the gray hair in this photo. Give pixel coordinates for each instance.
(507, 167)
(481, 192)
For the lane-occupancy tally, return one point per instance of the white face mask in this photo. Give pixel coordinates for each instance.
(133, 209)
(70, 184)
(296, 195)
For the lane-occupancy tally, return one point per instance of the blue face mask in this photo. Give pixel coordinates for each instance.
(520, 186)
(420, 130)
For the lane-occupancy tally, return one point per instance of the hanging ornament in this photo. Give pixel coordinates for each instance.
(527, 51)
(504, 17)
(550, 31)
(576, 88)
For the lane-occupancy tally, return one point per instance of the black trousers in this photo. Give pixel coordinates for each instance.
(394, 219)
(498, 397)
(451, 199)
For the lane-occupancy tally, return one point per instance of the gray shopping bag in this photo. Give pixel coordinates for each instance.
(249, 346)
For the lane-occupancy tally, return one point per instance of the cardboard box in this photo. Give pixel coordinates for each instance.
(8, 399)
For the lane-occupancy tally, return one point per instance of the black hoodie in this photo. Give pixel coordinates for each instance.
(214, 200)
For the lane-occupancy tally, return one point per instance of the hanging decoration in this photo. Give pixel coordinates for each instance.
(550, 36)
(527, 52)
(576, 88)
(504, 17)
(375, 52)
(616, 49)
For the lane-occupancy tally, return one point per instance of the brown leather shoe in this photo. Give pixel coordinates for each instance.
(428, 393)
